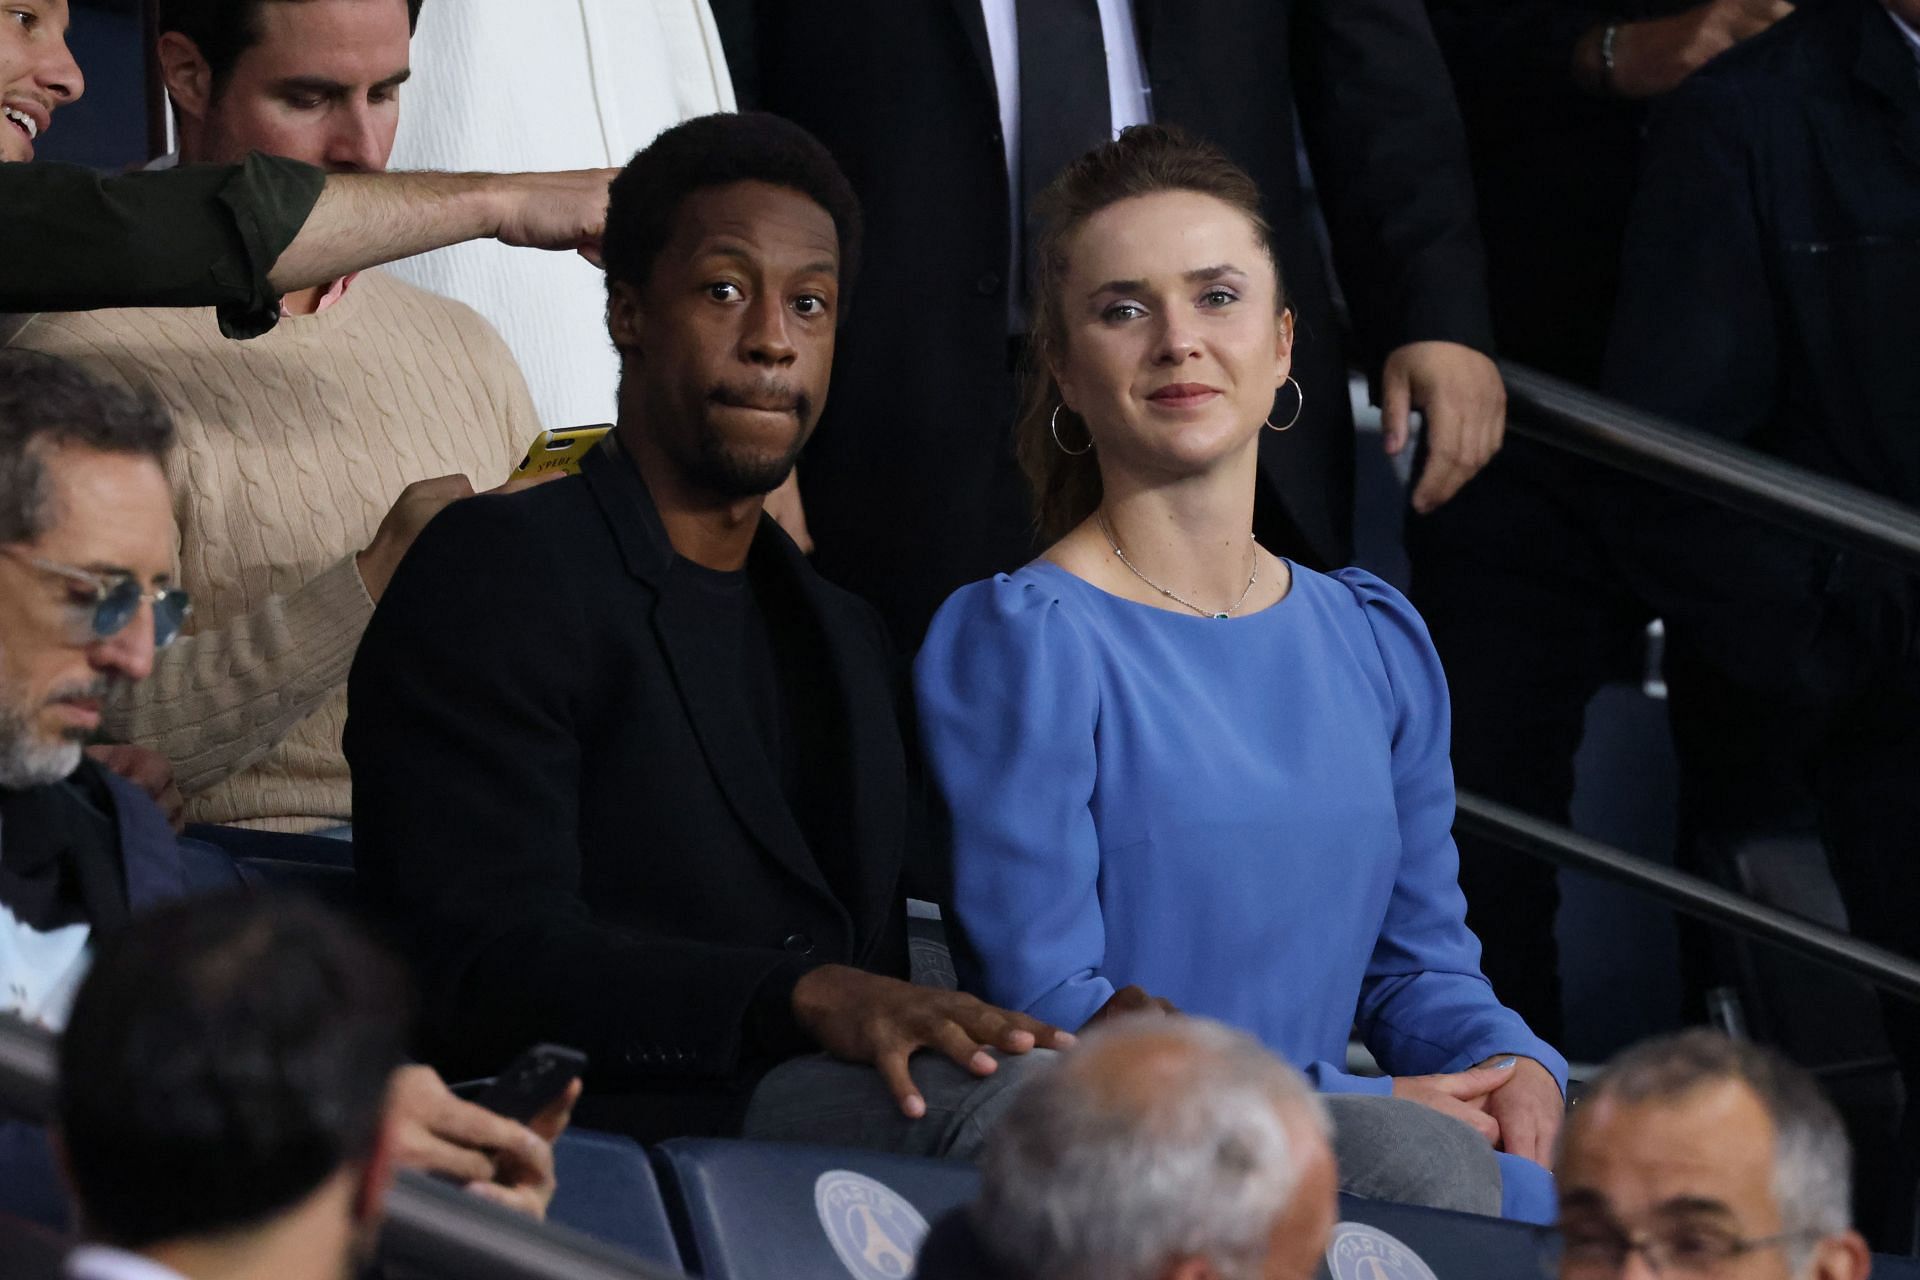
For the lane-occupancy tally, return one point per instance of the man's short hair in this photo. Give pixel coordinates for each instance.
(224, 29)
(47, 402)
(224, 1059)
(717, 151)
(1812, 1160)
(1080, 1183)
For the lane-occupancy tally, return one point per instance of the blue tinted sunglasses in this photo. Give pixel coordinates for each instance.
(113, 599)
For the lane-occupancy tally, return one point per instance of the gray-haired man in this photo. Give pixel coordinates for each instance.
(1696, 1155)
(1160, 1149)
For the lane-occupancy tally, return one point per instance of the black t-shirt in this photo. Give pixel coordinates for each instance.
(761, 628)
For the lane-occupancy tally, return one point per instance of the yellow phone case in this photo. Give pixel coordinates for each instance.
(559, 450)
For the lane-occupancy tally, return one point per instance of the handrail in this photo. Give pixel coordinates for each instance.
(1568, 417)
(1696, 897)
(430, 1227)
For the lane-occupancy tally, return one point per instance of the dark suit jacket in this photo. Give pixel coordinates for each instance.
(910, 482)
(156, 869)
(1769, 281)
(570, 819)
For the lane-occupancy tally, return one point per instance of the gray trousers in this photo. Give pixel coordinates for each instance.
(1387, 1148)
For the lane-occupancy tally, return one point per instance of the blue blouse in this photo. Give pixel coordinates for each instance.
(1250, 817)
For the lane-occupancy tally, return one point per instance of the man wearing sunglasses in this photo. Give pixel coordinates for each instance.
(1697, 1157)
(86, 596)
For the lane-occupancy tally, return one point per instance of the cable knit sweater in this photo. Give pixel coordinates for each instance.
(292, 448)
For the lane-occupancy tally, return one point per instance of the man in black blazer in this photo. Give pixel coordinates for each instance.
(627, 771)
(948, 115)
(1768, 289)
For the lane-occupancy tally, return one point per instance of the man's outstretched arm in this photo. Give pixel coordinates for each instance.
(237, 236)
(365, 219)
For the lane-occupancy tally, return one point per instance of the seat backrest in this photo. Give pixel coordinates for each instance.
(786, 1211)
(1376, 1239)
(607, 1190)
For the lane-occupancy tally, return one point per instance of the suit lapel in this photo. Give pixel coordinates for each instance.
(149, 858)
(973, 20)
(874, 787)
(1886, 65)
(720, 720)
(709, 692)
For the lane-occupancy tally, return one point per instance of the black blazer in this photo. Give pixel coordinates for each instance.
(910, 482)
(1767, 296)
(568, 817)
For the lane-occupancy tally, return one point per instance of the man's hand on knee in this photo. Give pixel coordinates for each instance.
(862, 1017)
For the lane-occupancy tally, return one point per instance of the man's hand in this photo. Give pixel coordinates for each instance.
(507, 1163)
(862, 1017)
(1654, 56)
(555, 210)
(418, 504)
(784, 505)
(1461, 1094)
(1465, 403)
(1130, 999)
(148, 770)
(1528, 1109)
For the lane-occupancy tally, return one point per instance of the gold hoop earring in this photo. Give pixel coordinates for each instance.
(1299, 404)
(1053, 425)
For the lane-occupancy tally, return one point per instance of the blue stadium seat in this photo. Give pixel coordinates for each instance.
(779, 1211)
(1452, 1244)
(607, 1190)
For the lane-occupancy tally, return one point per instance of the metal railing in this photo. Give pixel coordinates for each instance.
(1573, 419)
(430, 1228)
(1567, 417)
(1691, 894)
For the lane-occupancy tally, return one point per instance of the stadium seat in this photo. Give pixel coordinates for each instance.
(778, 1211)
(608, 1191)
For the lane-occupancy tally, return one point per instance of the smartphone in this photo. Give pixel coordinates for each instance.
(532, 1081)
(559, 450)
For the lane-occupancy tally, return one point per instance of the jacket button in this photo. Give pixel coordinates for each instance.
(799, 944)
(987, 285)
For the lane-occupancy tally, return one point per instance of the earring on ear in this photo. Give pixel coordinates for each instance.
(1298, 405)
(1053, 425)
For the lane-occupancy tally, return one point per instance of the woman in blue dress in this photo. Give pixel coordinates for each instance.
(1175, 763)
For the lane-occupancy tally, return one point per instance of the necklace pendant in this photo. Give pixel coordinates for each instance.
(1221, 617)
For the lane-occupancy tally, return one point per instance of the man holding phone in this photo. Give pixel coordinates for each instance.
(87, 598)
(627, 771)
(294, 444)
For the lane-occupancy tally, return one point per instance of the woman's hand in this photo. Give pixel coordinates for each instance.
(1464, 1095)
(1529, 1109)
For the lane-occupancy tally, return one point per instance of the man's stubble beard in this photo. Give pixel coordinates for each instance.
(27, 760)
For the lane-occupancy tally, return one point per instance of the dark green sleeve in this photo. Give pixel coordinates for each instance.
(197, 236)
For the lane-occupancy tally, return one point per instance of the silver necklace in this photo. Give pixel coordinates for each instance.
(1216, 614)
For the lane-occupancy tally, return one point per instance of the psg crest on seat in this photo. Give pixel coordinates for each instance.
(876, 1233)
(1360, 1252)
